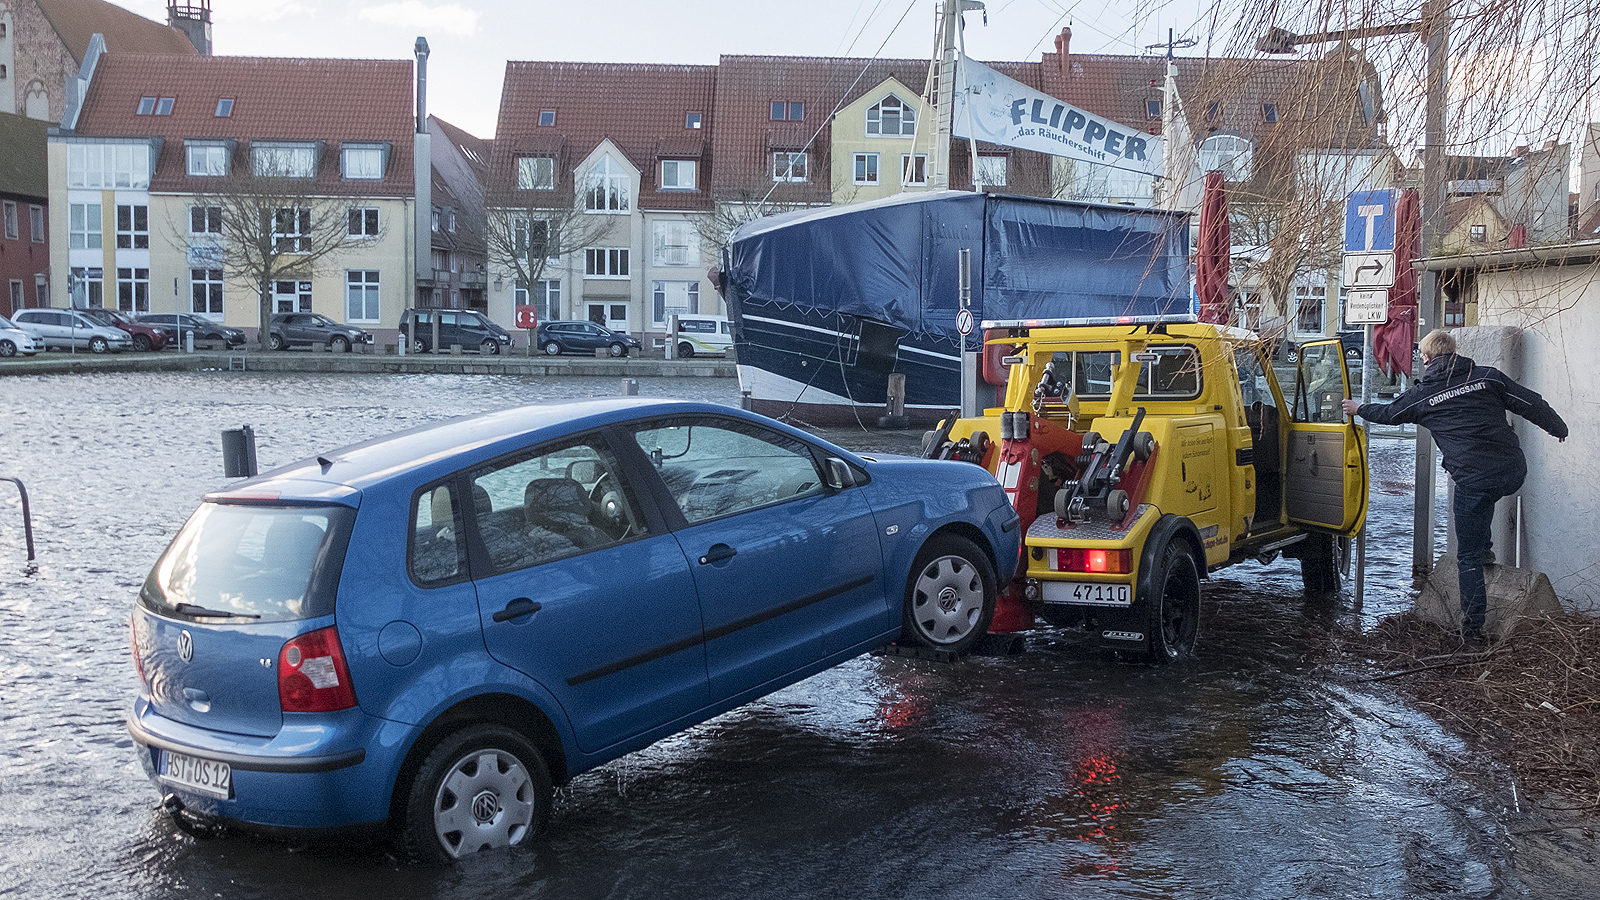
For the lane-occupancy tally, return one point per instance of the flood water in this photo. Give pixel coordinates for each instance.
(1257, 769)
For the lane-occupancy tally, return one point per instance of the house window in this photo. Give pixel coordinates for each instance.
(787, 166)
(545, 299)
(1213, 111)
(866, 168)
(362, 221)
(205, 291)
(291, 230)
(291, 296)
(913, 168)
(133, 290)
(41, 290)
(36, 224)
(678, 174)
(992, 171)
(164, 106)
(605, 262)
(85, 287)
(547, 117)
(434, 219)
(361, 295)
(536, 173)
(1230, 154)
(205, 220)
(788, 110)
(673, 298)
(83, 226)
(531, 239)
(284, 160)
(147, 106)
(133, 227)
(607, 189)
(1269, 113)
(691, 120)
(362, 162)
(108, 166)
(674, 243)
(1152, 109)
(1480, 234)
(891, 117)
(207, 159)
(450, 224)
(16, 294)
(10, 210)
(224, 107)
(1309, 300)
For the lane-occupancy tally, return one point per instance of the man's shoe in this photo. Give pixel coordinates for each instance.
(1473, 638)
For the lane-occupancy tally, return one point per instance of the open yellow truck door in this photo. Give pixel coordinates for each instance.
(1325, 474)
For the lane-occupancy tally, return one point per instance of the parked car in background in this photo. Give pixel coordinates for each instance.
(185, 324)
(703, 334)
(69, 328)
(1351, 342)
(430, 629)
(307, 329)
(146, 336)
(14, 340)
(582, 337)
(470, 329)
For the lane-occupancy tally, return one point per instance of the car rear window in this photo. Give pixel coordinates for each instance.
(266, 563)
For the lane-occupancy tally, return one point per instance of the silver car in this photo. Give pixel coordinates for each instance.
(14, 340)
(67, 328)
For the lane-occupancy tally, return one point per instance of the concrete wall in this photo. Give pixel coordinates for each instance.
(1556, 310)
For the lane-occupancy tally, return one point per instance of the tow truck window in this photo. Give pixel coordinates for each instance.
(1252, 377)
(1174, 375)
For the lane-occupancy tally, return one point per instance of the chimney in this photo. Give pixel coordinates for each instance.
(194, 20)
(422, 188)
(422, 84)
(1063, 40)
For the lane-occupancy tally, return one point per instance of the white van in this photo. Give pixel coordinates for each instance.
(703, 334)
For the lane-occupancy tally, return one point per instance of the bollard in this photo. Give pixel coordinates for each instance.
(188, 342)
(895, 412)
(239, 452)
(455, 349)
(744, 400)
(630, 387)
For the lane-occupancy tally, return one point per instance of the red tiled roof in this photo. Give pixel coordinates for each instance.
(474, 149)
(77, 21)
(638, 107)
(329, 100)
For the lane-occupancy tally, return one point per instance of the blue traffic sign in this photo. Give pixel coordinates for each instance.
(1369, 222)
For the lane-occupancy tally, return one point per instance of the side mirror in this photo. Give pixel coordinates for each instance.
(839, 475)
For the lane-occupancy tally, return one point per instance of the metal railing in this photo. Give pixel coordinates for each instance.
(27, 519)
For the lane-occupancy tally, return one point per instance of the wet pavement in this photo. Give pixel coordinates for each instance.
(1257, 769)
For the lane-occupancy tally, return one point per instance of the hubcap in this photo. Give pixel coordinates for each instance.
(485, 801)
(947, 599)
(485, 807)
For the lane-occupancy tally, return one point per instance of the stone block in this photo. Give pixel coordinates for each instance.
(1514, 594)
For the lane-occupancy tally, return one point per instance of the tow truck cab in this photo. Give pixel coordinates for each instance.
(1144, 453)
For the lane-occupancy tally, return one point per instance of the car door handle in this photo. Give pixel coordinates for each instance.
(718, 553)
(518, 608)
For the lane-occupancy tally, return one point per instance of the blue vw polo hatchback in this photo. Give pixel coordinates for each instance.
(429, 630)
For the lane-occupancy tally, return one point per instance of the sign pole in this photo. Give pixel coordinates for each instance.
(969, 360)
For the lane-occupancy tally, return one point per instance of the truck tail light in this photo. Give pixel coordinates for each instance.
(312, 675)
(1100, 562)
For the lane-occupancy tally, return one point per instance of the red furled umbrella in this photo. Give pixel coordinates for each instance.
(1392, 341)
(1212, 254)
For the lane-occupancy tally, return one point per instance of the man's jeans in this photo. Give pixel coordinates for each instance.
(1474, 509)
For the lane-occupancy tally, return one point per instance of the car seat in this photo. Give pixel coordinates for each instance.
(562, 506)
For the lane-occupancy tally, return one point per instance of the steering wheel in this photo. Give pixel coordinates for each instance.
(606, 497)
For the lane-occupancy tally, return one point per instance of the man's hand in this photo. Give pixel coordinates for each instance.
(1350, 407)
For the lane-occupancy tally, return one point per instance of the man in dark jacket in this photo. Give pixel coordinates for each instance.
(1464, 406)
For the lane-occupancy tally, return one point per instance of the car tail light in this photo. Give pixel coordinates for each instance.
(312, 675)
(1108, 562)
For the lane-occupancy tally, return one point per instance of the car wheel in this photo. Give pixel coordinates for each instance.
(619, 350)
(141, 343)
(339, 344)
(685, 350)
(1320, 563)
(1353, 353)
(8, 349)
(1292, 355)
(489, 348)
(484, 787)
(1173, 602)
(275, 342)
(419, 346)
(552, 348)
(950, 594)
(99, 345)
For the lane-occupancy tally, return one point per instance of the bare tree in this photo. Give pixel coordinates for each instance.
(526, 238)
(271, 228)
(740, 206)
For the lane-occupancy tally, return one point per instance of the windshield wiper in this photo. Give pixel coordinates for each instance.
(200, 612)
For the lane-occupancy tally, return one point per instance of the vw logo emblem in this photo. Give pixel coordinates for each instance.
(185, 646)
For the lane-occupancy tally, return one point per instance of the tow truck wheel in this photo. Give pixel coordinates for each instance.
(949, 595)
(1320, 563)
(1174, 605)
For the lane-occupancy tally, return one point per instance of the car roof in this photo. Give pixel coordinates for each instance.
(462, 442)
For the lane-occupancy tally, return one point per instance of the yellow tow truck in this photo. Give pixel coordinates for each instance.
(1143, 453)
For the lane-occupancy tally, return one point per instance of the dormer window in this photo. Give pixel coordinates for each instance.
(891, 117)
(283, 159)
(547, 118)
(206, 158)
(1232, 155)
(224, 107)
(678, 175)
(147, 106)
(363, 162)
(536, 173)
(607, 188)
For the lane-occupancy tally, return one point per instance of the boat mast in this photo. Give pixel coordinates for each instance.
(944, 94)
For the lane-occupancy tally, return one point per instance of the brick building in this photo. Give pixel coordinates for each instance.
(24, 223)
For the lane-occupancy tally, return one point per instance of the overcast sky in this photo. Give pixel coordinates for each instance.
(472, 39)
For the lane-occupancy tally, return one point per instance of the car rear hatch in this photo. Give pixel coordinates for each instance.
(238, 581)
